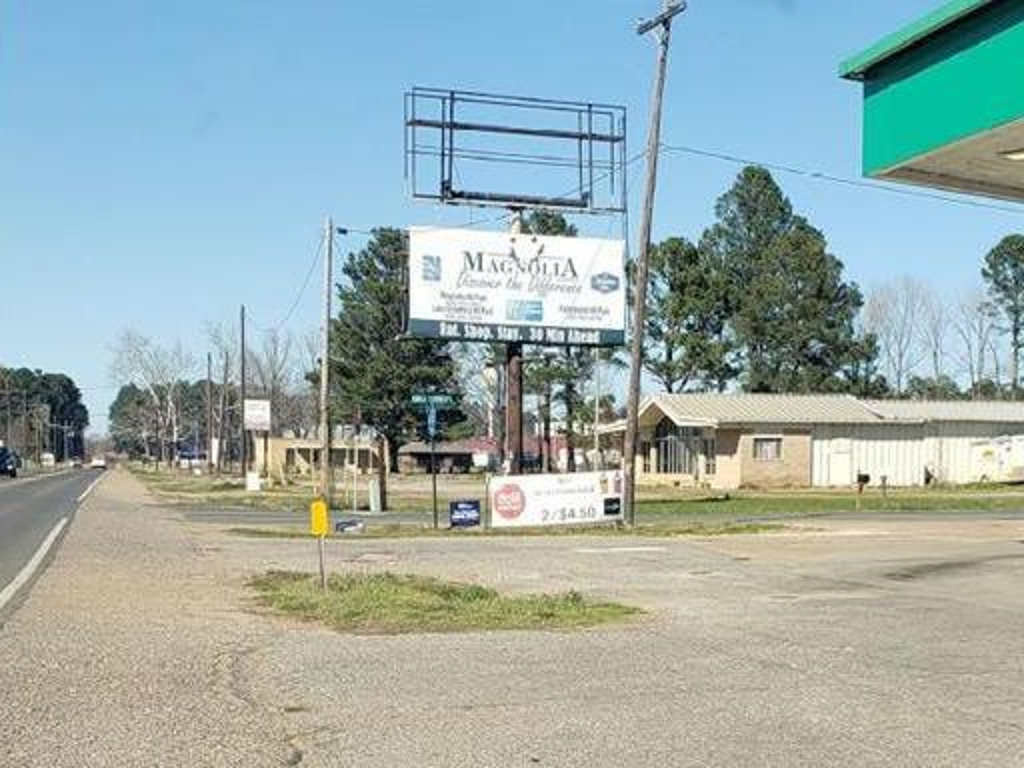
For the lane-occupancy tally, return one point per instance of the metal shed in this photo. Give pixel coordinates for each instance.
(734, 440)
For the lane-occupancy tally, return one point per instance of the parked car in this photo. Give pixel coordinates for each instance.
(8, 462)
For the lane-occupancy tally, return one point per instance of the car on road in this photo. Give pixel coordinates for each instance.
(98, 462)
(8, 462)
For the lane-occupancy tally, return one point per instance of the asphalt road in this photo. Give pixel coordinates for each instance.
(30, 509)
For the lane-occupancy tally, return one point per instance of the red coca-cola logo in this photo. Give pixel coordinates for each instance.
(509, 501)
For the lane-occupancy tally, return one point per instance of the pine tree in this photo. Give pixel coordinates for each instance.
(793, 314)
(1003, 271)
(688, 342)
(375, 369)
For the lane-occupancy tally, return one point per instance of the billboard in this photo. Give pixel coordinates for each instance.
(504, 287)
(519, 501)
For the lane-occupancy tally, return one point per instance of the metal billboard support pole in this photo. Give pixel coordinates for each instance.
(663, 23)
(514, 384)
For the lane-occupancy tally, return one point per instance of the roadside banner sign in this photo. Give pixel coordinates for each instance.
(319, 525)
(507, 287)
(519, 501)
(257, 415)
(464, 513)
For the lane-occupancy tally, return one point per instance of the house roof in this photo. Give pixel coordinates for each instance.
(714, 410)
(717, 410)
(949, 410)
(856, 67)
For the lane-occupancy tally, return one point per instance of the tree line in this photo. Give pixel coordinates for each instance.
(42, 413)
(947, 347)
(167, 407)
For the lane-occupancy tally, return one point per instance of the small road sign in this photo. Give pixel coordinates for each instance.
(436, 400)
(318, 522)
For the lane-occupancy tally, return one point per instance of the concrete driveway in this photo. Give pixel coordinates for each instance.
(852, 642)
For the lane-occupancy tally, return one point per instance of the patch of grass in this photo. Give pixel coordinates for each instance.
(388, 603)
(803, 503)
(655, 504)
(395, 531)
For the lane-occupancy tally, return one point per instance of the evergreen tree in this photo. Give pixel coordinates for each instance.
(1003, 271)
(793, 315)
(375, 369)
(688, 342)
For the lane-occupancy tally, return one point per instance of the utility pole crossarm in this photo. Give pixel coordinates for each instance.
(663, 19)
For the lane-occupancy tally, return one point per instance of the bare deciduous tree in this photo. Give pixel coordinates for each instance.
(934, 330)
(158, 372)
(224, 340)
(973, 325)
(272, 373)
(892, 313)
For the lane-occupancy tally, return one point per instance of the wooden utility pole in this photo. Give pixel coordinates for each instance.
(514, 386)
(209, 413)
(662, 25)
(241, 402)
(326, 479)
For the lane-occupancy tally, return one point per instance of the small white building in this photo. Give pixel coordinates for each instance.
(755, 440)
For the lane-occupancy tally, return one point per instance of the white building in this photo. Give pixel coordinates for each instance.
(736, 440)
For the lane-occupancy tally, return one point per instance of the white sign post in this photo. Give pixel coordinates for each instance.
(256, 418)
(508, 287)
(520, 501)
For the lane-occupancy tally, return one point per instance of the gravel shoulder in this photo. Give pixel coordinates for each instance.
(131, 650)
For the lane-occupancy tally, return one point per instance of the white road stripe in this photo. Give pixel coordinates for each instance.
(616, 550)
(85, 493)
(30, 567)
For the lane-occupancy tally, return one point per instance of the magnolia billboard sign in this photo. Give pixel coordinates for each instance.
(504, 287)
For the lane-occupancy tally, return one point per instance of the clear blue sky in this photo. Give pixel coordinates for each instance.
(163, 162)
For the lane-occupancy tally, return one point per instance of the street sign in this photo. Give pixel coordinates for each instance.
(436, 400)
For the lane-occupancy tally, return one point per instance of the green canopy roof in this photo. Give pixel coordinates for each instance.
(855, 67)
(943, 102)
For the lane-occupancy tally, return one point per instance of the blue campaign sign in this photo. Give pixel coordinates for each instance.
(464, 514)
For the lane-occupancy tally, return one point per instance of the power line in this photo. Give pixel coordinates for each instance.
(827, 177)
(574, 191)
(302, 288)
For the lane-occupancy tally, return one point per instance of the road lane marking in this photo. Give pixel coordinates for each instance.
(616, 550)
(85, 493)
(30, 567)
